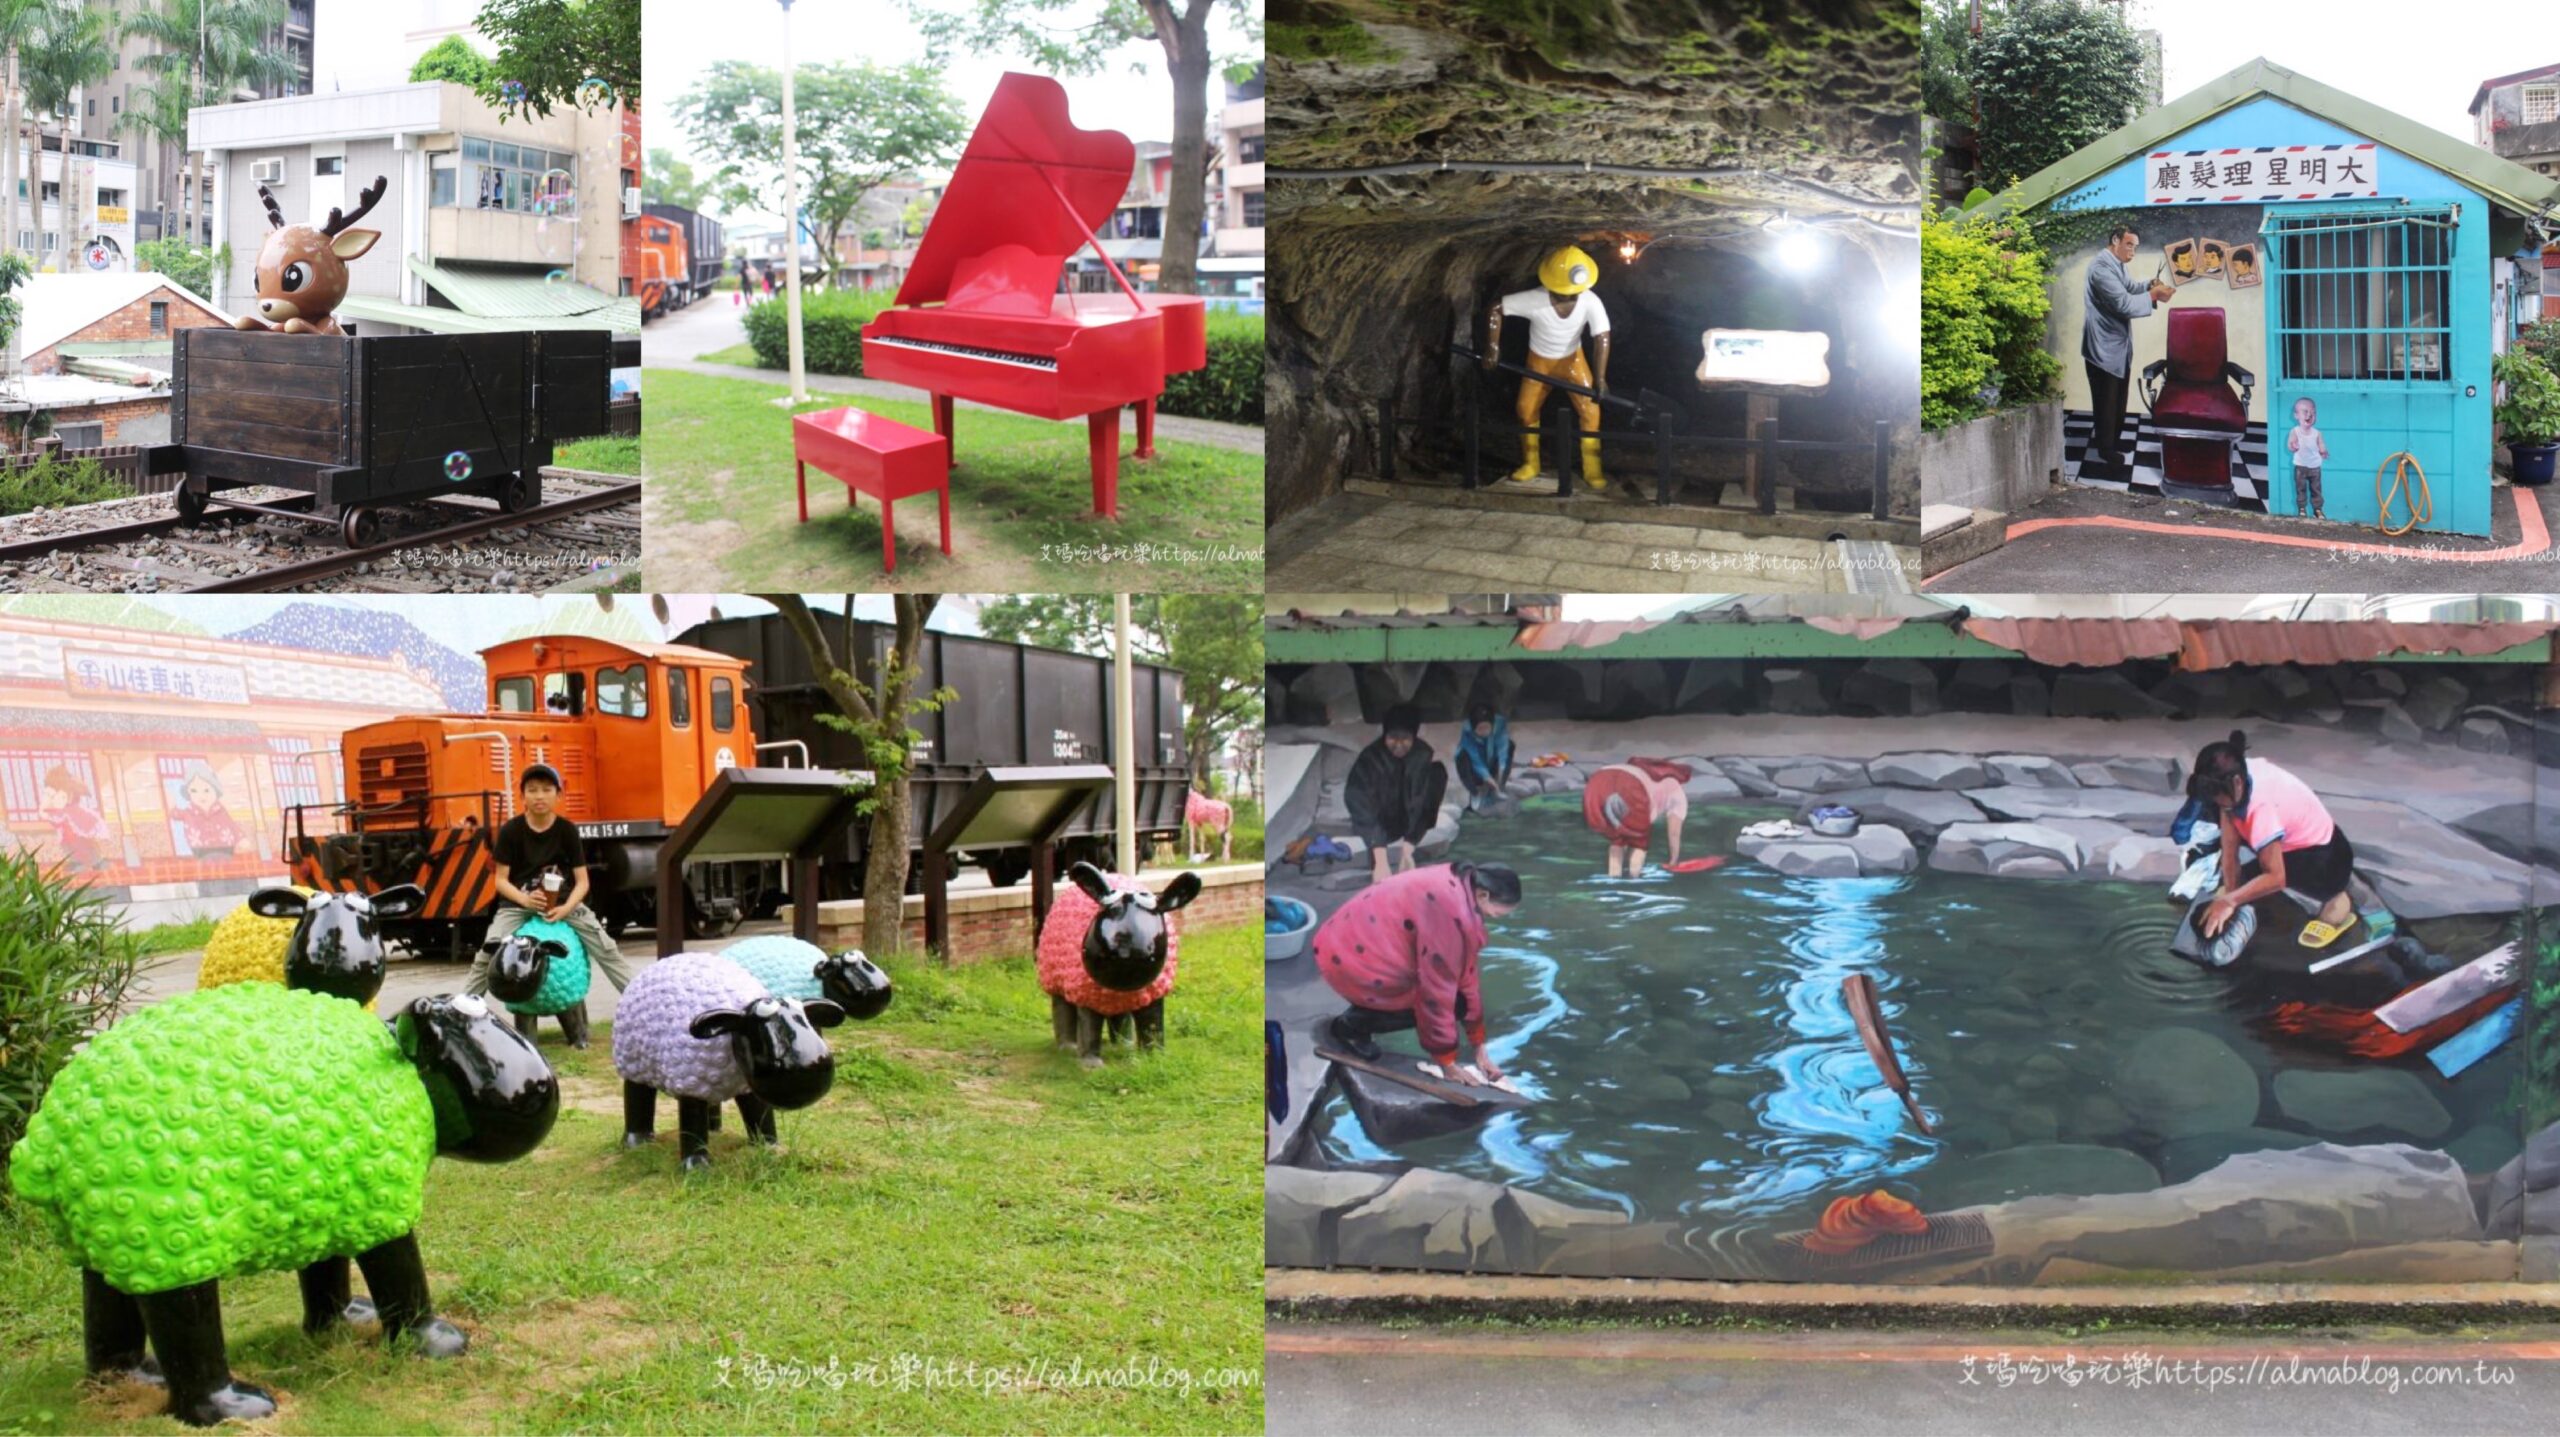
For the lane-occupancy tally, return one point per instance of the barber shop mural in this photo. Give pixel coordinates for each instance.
(1992, 952)
(2277, 297)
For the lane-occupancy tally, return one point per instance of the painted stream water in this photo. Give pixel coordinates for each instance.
(1693, 1058)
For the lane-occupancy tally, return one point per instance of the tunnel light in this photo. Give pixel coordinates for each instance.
(1800, 251)
(1626, 251)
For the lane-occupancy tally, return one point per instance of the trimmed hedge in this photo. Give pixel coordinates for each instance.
(1228, 388)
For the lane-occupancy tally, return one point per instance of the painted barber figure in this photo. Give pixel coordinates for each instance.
(1559, 312)
(2106, 338)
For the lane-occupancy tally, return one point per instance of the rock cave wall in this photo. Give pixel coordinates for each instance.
(1799, 110)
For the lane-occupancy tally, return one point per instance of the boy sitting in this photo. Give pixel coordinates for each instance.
(542, 873)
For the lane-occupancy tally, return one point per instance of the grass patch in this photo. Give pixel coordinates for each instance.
(966, 1194)
(52, 481)
(605, 454)
(741, 355)
(184, 937)
(1190, 519)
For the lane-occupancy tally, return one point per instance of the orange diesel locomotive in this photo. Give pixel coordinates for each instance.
(636, 731)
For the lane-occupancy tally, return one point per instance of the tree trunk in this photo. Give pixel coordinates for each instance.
(884, 872)
(1186, 45)
(9, 161)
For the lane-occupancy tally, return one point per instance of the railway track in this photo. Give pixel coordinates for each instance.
(448, 546)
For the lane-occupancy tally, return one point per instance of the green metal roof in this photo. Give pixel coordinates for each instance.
(550, 304)
(2501, 180)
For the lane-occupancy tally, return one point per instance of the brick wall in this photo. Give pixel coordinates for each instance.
(996, 922)
(136, 421)
(131, 322)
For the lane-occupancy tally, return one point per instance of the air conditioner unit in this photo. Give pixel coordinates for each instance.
(269, 171)
(631, 203)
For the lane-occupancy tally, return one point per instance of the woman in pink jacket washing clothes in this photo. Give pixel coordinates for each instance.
(1403, 951)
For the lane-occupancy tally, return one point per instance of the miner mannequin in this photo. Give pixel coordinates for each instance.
(1559, 312)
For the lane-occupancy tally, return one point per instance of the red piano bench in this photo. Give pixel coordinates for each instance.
(879, 457)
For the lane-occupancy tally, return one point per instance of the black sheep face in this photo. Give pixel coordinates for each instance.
(854, 983)
(777, 1042)
(518, 964)
(494, 1097)
(1124, 947)
(337, 945)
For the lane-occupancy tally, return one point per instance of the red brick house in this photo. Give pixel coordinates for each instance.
(92, 354)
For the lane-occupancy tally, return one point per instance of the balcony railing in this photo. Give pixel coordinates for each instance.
(2521, 142)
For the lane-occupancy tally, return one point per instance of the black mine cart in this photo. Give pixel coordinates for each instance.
(358, 422)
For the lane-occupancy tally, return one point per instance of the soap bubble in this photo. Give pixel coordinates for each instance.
(457, 466)
(594, 91)
(511, 91)
(557, 276)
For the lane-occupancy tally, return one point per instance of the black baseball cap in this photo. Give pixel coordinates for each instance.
(542, 771)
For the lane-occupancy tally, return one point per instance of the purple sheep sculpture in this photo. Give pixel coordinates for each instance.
(702, 1028)
(1107, 957)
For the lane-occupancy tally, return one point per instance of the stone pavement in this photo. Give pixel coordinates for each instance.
(1355, 542)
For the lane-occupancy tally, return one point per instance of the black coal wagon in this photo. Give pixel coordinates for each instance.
(358, 422)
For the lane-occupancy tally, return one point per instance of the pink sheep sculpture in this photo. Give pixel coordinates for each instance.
(1107, 956)
(1205, 815)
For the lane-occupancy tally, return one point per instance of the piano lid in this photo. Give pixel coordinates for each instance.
(997, 195)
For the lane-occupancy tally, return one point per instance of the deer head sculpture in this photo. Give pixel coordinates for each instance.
(302, 272)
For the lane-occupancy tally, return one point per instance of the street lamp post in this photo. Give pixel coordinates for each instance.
(791, 221)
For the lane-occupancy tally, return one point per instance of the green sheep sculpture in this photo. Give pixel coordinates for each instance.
(254, 1128)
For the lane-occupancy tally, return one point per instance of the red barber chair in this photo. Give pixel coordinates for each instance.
(2199, 420)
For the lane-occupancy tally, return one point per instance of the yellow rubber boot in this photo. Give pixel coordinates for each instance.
(1528, 458)
(1591, 465)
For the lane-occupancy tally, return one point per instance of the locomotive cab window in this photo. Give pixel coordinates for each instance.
(724, 704)
(679, 698)
(623, 692)
(564, 694)
(515, 696)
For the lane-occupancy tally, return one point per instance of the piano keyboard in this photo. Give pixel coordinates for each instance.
(992, 356)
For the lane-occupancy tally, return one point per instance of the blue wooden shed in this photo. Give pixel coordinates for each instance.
(2341, 254)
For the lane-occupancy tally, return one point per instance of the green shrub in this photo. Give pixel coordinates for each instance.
(1228, 388)
(2530, 414)
(2540, 339)
(52, 481)
(1982, 314)
(831, 324)
(65, 967)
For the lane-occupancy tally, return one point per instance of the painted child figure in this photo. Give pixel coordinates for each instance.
(2308, 450)
(1560, 311)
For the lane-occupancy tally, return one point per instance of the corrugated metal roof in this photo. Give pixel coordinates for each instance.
(2221, 643)
(2061, 642)
(493, 295)
(2504, 181)
(454, 321)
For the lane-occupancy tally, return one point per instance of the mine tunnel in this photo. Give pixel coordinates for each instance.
(1423, 167)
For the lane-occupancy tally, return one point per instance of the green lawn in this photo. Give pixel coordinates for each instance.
(965, 1195)
(605, 454)
(741, 355)
(720, 453)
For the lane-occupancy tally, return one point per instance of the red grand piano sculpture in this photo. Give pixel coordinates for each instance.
(981, 316)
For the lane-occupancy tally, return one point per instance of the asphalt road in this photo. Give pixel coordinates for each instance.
(2092, 559)
(1324, 1378)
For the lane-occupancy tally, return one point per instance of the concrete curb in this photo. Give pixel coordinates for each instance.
(1306, 1295)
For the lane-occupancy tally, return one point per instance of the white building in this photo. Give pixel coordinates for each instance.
(1239, 221)
(485, 225)
(85, 225)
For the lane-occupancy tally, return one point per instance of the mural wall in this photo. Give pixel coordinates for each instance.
(159, 763)
(2210, 252)
(1907, 990)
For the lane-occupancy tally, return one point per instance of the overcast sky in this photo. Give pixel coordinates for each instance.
(2422, 61)
(682, 38)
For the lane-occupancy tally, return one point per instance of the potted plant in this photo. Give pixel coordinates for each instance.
(2530, 415)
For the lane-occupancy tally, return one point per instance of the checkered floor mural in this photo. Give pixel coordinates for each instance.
(2139, 471)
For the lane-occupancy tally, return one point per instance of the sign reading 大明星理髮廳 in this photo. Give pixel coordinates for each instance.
(2261, 175)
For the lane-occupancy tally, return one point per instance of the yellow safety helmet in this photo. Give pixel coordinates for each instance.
(1567, 270)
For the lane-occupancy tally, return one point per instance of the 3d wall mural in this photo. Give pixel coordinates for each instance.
(1919, 975)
